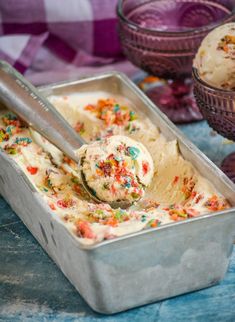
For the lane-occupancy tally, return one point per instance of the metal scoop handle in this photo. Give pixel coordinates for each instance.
(25, 100)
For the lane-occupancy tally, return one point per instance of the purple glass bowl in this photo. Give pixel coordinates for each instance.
(217, 106)
(162, 36)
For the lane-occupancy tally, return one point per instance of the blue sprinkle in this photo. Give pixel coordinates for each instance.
(143, 218)
(116, 108)
(27, 140)
(9, 129)
(128, 182)
(117, 158)
(10, 116)
(133, 152)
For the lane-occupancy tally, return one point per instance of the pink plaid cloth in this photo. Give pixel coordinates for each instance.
(52, 40)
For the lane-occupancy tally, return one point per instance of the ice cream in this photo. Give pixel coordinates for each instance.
(177, 191)
(116, 168)
(215, 59)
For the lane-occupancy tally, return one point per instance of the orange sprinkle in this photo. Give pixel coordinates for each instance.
(32, 170)
(69, 161)
(52, 206)
(215, 204)
(174, 217)
(199, 197)
(90, 107)
(150, 79)
(83, 229)
(154, 223)
(79, 127)
(113, 222)
(113, 189)
(193, 194)
(225, 48)
(175, 180)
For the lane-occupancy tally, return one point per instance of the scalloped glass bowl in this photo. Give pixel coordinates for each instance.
(218, 108)
(162, 36)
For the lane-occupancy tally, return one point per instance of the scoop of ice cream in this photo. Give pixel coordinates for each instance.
(116, 168)
(215, 59)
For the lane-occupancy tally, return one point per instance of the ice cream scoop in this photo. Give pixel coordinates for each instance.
(115, 170)
(215, 59)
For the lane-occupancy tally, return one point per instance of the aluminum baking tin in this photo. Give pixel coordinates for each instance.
(142, 267)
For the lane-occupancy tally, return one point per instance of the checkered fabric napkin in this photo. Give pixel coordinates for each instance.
(50, 40)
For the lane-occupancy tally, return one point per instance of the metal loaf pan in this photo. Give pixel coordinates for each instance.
(142, 267)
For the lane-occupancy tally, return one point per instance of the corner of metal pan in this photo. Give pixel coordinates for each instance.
(84, 78)
(19, 171)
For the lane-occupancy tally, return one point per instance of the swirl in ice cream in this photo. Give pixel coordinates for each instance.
(215, 59)
(117, 168)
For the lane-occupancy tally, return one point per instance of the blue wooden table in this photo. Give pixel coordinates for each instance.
(32, 288)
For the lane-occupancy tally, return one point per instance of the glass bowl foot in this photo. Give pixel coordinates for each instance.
(228, 166)
(175, 99)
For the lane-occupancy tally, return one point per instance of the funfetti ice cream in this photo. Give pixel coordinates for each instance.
(117, 168)
(119, 135)
(215, 59)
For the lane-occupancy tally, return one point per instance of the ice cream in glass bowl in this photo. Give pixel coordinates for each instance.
(214, 85)
(162, 37)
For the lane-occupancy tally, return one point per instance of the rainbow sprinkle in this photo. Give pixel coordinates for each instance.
(111, 113)
(23, 141)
